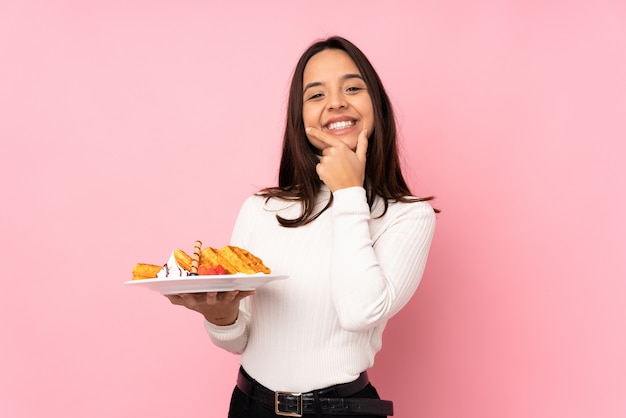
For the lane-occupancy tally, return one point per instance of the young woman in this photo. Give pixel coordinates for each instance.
(344, 226)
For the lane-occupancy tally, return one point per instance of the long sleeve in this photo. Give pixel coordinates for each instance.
(377, 264)
(233, 338)
(348, 272)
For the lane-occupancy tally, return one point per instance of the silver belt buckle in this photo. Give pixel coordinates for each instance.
(298, 412)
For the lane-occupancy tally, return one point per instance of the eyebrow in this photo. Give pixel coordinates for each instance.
(345, 77)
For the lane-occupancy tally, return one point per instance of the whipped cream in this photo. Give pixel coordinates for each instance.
(172, 269)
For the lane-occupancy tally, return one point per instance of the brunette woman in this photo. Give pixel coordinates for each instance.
(343, 224)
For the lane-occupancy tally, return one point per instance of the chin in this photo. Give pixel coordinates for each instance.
(351, 143)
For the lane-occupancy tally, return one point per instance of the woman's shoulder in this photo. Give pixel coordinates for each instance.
(411, 207)
(416, 218)
(259, 202)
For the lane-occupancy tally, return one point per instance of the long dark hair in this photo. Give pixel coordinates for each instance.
(297, 178)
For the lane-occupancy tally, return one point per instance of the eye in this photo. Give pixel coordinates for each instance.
(354, 89)
(315, 96)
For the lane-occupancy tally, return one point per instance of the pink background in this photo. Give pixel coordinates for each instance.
(130, 128)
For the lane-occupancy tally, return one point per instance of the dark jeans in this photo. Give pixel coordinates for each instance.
(241, 406)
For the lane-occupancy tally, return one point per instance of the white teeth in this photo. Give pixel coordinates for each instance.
(341, 125)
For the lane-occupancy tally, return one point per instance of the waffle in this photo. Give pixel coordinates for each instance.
(233, 260)
(145, 271)
(228, 259)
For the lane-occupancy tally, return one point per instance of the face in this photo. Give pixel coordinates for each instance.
(335, 98)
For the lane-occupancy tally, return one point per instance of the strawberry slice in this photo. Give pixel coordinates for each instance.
(203, 270)
(218, 270)
(211, 271)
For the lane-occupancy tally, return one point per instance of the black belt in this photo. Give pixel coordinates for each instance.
(334, 400)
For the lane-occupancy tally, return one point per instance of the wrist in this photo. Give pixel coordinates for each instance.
(221, 321)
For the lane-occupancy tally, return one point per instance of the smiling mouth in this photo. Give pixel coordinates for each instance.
(340, 125)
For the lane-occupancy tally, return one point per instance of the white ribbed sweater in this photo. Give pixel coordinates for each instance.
(349, 272)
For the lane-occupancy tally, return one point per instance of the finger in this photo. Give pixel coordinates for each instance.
(324, 137)
(318, 169)
(361, 146)
(211, 298)
(174, 299)
(245, 293)
(228, 297)
(187, 300)
(236, 295)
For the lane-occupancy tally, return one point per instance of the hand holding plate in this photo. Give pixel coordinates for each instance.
(219, 308)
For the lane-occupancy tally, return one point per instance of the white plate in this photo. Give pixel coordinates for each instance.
(199, 284)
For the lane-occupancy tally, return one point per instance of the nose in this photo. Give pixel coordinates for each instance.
(336, 101)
